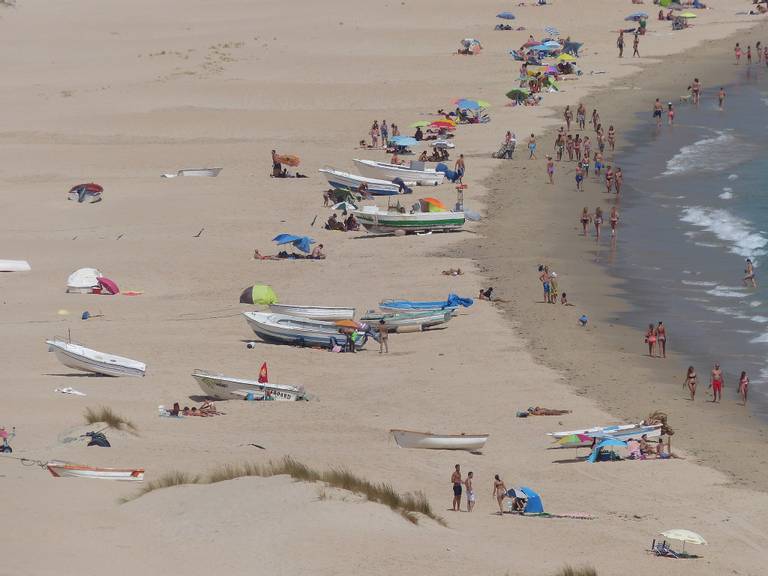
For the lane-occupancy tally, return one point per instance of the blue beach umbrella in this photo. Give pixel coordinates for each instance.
(604, 444)
(403, 141)
(505, 15)
(468, 104)
(636, 17)
(300, 242)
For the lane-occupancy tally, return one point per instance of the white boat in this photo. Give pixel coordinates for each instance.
(209, 172)
(415, 172)
(69, 470)
(14, 266)
(423, 319)
(615, 429)
(81, 358)
(346, 181)
(377, 220)
(429, 441)
(227, 388)
(285, 329)
(314, 312)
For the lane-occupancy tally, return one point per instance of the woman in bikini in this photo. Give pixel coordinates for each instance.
(608, 179)
(661, 337)
(743, 387)
(612, 137)
(595, 118)
(499, 492)
(650, 338)
(577, 147)
(618, 180)
(600, 138)
(690, 382)
(569, 147)
(581, 115)
(614, 220)
(586, 146)
(568, 116)
(585, 219)
(598, 221)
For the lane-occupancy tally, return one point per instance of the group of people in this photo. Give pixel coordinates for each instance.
(549, 283)
(380, 133)
(499, 492)
(716, 383)
(656, 337)
(760, 50)
(349, 224)
(635, 44)
(586, 218)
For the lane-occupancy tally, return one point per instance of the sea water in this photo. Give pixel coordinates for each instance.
(694, 207)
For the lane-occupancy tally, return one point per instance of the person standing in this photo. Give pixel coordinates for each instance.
(544, 279)
(690, 382)
(661, 338)
(598, 221)
(721, 98)
(636, 46)
(608, 179)
(749, 55)
(579, 180)
(670, 113)
(717, 381)
(560, 146)
(618, 180)
(759, 52)
(499, 492)
(457, 483)
(584, 219)
(743, 387)
(384, 133)
(737, 52)
(620, 43)
(568, 116)
(459, 168)
(470, 491)
(657, 108)
(375, 134)
(532, 147)
(569, 147)
(696, 91)
(614, 220)
(595, 119)
(612, 137)
(550, 170)
(383, 337)
(581, 115)
(650, 339)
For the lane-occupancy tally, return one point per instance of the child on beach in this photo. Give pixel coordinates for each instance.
(670, 113)
(579, 176)
(550, 170)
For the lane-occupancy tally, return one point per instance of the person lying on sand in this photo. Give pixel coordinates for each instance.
(539, 411)
(258, 256)
(453, 272)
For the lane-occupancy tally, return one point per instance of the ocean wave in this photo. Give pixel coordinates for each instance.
(738, 232)
(759, 319)
(733, 176)
(707, 155)
(727, 292)
(755, 303)
(698, 283)
(762, 339)
(727, 195)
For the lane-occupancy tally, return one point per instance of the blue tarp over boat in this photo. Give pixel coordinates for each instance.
(453, 301)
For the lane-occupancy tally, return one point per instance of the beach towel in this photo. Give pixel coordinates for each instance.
(69, 390)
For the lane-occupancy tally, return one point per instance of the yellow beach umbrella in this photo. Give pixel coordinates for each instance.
(566, 58)
(687, 15)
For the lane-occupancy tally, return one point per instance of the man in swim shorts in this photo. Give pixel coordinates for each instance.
(717, 383)
(457, 483)
(657, 108)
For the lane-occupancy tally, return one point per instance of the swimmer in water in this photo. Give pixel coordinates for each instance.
(749, 274)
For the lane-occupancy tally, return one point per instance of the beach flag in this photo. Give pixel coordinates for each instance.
(263, 375)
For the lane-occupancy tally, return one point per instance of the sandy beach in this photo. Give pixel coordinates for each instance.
(122, 94)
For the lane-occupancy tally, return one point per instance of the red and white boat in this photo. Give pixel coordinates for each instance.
(69, 470)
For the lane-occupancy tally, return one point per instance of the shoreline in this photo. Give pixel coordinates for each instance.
(585, 273)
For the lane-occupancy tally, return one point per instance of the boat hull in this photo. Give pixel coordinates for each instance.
(381, 221)
(426, 319)
(617, 429)
(427, 441)
(68, 470)
(314, 312)
(14, 266)
(86, 360)
(223, 387)
(351, 182)
(388, 172)
(283, 329)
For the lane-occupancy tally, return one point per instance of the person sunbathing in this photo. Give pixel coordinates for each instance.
(453, 272)
(539, 411)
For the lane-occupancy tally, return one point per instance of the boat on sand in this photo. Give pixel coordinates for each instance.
(284, 329)
(451, 303)
(314, 312)
(376, 219)
(14, 266)
(617, 429)
(415, 172)
(68, 470)
(228, 388)
(79, 357)
(429, 441)
(340, 180)
(422, 318)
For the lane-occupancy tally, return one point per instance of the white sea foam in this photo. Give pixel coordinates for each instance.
(725, 195)
(698, 283)
(707, 155)
(759, 319)
(727, 291)
(755, 303)
(737, 232)
(762, 339)
(697, 299)
(733, 176)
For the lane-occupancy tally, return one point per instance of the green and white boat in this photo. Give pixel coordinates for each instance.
(421, 319)
(377, 220)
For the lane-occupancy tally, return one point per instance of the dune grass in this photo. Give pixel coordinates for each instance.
(111, 419)
(570, 571)
(408, 505)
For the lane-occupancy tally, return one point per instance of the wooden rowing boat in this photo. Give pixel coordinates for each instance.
(69, 470)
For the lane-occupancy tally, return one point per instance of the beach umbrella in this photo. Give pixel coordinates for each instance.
(637, 16)
(573, 439)
(551, 30)
(419, 124)
(108, 286)
(566, 58)
(518, 94)
(687, 15)
(258, 294)
(433, 205)
(468, 105)
(403, 141)
(608, 442)
(530, 43)
(482, 103)
(505, 15)
(300, 242)
(443, 124)
(684, 536)
(344, 206)
(551, 44)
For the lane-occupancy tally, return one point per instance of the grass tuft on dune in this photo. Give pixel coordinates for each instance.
(408, 505)
(570, 571)
(104, 414)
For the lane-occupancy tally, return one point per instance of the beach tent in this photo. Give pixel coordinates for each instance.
(83, 280)
(533, 504)
(300, 242)
(258, 294)
(608, 442)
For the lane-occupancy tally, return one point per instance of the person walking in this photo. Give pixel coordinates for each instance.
(743, 387)
(650, 339)
(657, 108)
(721, 98)
(670, 113)
(636, 46)
(470, 491)
(457, 484)
(551, 169)
(459, 168)
(383, 337)
(661, 338)
(532, 147)
(614, 220)
(384, 133)
(618, 180)
(620, 43)
(598, 221)
(690, 382)
(581, 116)
(716, 383)
(568, 116)
(499, 492)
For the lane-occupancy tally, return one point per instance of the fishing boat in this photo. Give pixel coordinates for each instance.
(614, 429)
(284, 329)
(451, 303)
(314, 312)
(422, 318)
(375, 219)
(227, 388)
(81, 358)
(429, 441)
(415, 172)
(14, 266)
(351, 182)
(206, 172)
(69, 470)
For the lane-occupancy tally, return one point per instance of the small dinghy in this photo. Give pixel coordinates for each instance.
(429, 441)
(90, 193)
(14, 266)
(69, 470)
(79, 357)
(206, 172)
